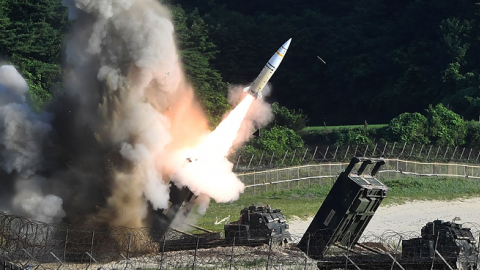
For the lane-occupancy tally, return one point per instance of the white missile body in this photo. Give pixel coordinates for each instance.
(257, 86)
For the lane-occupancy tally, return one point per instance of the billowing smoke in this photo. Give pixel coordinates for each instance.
(258, 116)
(22, 133)
(107, 148)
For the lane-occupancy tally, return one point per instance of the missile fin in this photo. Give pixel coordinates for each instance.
(259, 95)
(246, 89)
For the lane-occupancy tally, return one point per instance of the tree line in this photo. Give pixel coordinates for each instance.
(383, 58)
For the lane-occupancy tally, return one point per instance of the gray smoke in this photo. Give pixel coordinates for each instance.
(108, 145)
(22, 134)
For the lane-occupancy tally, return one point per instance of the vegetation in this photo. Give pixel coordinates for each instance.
(383, 57)
(306, 202)
(439, 126)
(331, 128)
(34, 45)
(280, 136)
(388, 62)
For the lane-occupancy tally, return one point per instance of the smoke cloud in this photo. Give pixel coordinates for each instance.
(258, 116)
(107, 147)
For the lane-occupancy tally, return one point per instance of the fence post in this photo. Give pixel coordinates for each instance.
(65, 246)
(335, 154)
(393, 148)
(385, 147)
(403, 149)
(286, 152)
(91, 248)
(346, 153)
(396, 250)
(238, 161)
(421, 149)
(248, 167)
(411, 151)
(366, 149)
(163, 250)
(195, 254)
(271, 158)
(308, 249)
(231, 256)
(269, 251)
(461, 155)
(129, 243)
(454, 151)
(438, 150)
(304, 155)
(374, 149)
(428, 154)
(293, 156)
(445, 153)
(469, 154)
(313, 157)
(325, 155)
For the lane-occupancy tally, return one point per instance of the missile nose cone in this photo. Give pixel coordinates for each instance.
(287, 44)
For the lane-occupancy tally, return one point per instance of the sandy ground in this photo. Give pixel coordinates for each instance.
(411, 216)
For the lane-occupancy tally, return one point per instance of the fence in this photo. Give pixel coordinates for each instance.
(340, 154)
(33, 245)
(326, 173)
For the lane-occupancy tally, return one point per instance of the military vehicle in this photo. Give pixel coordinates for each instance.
(346, 211)
(332, 237)
(258, 224)
(448, 241)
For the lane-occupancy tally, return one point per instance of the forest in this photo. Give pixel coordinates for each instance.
(383, 57)
(408, 63)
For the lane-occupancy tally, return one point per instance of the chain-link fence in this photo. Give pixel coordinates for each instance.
(33, 245)
(326, 173)
(340, 154)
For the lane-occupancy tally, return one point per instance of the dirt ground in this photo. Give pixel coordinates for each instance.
(411, 216)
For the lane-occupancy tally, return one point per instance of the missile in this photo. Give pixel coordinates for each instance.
(257, 86)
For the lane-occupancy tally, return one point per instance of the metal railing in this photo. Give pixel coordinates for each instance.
(33, 245)
(326, 173)
(341, 154)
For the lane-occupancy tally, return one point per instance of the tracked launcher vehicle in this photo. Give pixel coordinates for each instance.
(332, 239)
(258, 224)
(346, 211)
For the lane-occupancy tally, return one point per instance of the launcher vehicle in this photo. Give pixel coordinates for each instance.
(332, 237)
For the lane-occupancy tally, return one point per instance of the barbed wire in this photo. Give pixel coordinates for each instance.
(27, 244)
(343, 153)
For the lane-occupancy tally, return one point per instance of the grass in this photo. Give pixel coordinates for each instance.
(305, 202)
(314, 128)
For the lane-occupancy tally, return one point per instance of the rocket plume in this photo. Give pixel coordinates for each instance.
(211, 172)
(107, 146)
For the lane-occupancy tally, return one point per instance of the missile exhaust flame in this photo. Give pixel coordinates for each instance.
(206, 173)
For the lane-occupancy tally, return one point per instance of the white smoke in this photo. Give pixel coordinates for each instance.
(21, 131)
(127, 115)
(258, 116)
(30, 201)
(129, 46)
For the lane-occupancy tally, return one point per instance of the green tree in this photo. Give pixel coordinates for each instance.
(196, 51)
(31, 37)
(472, 138)
(292, 119)
(445, 127)
(409, 127)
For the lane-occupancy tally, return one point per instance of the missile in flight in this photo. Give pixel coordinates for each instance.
(257, 86)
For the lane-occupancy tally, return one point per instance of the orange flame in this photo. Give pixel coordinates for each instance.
(210, 172)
